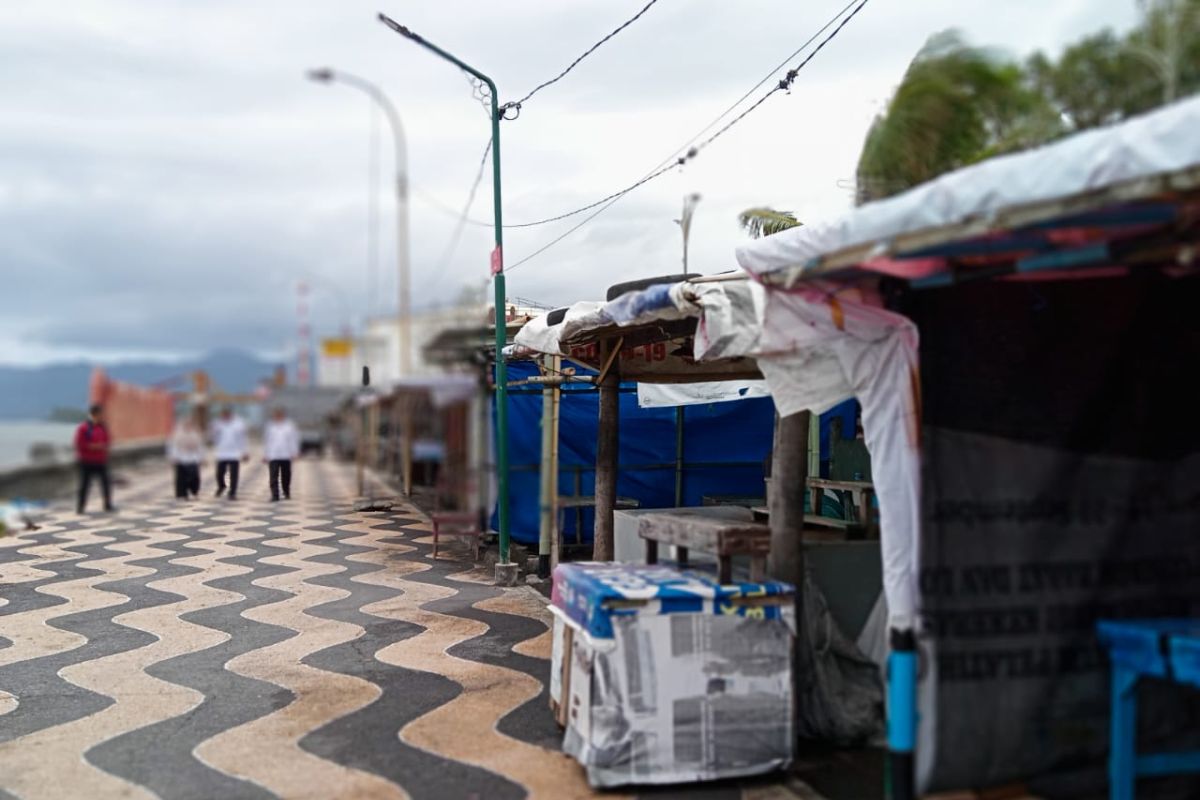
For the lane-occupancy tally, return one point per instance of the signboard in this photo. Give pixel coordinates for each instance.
(337, 348)
(667, 362)
(1061, 459)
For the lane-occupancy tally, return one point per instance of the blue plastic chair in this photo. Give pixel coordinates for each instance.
(1167, 649)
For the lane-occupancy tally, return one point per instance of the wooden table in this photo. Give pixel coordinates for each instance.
(722, 537)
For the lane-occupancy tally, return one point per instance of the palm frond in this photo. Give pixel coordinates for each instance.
(763, 221)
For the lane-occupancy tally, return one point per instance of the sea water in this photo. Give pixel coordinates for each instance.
(16, 437)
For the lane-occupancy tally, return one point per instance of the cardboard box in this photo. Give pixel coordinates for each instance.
(664, 676)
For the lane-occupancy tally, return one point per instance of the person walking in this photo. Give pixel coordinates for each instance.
(229, 446)
(281, 443)
(91, 452)
(186, 451)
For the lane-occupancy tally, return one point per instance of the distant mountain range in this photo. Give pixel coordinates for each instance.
(34, 393)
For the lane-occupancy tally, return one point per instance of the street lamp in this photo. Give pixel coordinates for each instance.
(685, 224)
(505, 570)
(328, 75)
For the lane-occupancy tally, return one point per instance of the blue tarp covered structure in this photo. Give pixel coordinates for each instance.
(725, 450)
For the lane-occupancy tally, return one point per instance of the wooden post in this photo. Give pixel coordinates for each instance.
(607, 441)
(546, 502)
(360, 451)
(555, 405)
(789, 485)
(373, 435)
(393, 448)
(407, 452)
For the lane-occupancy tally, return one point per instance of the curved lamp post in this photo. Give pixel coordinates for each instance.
(328, 75)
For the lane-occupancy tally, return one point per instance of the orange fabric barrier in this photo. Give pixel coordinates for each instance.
(132, 412)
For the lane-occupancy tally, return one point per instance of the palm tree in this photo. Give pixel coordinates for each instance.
(763, 221)
(955, 105)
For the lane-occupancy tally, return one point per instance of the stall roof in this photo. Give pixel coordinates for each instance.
(469, 345)
(1040, 209)
(655, 326)
(442, 389)
(586, 321)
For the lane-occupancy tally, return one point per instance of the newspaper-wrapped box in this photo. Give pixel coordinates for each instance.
(666, 676)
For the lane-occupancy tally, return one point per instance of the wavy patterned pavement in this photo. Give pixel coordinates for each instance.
(248, 649)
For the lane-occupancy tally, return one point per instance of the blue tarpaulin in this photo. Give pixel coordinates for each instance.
(591, 594)
(725, 450)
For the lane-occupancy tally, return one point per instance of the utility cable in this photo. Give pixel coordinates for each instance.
(671, 161)
(516, 104)
(464, 217)
(689, 151)
(444, 208)
(672, 158)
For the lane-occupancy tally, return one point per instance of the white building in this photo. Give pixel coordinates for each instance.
(340, 361)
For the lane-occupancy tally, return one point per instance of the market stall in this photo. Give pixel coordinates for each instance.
(1020, 334)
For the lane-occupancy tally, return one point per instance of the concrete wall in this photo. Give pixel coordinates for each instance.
(57, 480)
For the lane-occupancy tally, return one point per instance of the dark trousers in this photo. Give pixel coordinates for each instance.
(232, 468)
(86, 473)
(187, 480)
(281, 473)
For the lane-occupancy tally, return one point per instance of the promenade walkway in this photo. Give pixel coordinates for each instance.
(249, 649)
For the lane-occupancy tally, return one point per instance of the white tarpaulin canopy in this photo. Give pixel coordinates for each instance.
(1119, 157)
(814, 353)
(666, 302)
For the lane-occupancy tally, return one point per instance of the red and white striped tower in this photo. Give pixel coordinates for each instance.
(303, 335)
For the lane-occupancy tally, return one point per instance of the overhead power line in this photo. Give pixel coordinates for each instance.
(516, 104)
(671, 159)
(464, 217)
(564, 234)
(689, 149)
(692, 148)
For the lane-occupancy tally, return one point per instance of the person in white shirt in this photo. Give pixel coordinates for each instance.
(281, 443)
(185, 448)
(229, 447)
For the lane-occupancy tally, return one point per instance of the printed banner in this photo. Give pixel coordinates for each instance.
(1061, 487)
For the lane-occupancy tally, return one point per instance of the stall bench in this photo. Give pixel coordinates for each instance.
(721, 537)
(1165, 649)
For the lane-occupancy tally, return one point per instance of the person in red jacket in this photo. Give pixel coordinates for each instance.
(91, 451)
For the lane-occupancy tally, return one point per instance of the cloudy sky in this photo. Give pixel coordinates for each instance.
(167, 175)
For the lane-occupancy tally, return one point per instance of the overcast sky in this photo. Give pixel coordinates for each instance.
(167, 174)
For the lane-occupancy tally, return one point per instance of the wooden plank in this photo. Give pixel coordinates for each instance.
(587, 501)
(707, 534)
(830, 483)
(568, 654)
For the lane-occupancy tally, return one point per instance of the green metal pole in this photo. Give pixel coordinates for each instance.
(498, 272)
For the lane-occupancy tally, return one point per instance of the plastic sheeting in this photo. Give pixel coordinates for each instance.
(675, 686)
(1153, 144)
(725, 449)
(662, 395)
(815, 352)
(734, 300)
(842, 702)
